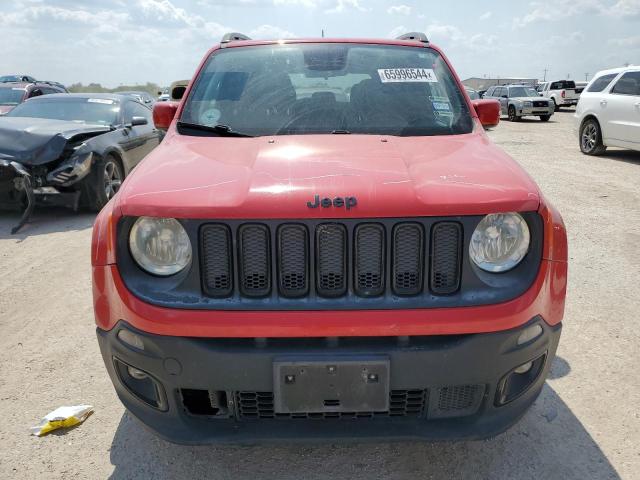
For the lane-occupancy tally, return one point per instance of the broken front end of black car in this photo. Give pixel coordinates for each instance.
(48, 162)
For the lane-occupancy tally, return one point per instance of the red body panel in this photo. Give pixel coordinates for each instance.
(274, 177)
(205, 177)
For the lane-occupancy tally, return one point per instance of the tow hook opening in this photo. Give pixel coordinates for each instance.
(211, 403)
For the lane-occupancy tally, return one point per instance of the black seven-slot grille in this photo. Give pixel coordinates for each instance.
(413, 257)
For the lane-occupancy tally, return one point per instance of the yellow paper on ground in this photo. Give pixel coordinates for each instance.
(63, 417)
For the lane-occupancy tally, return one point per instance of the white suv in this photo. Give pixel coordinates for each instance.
(608, 113)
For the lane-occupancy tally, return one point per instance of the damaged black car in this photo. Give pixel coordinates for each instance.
(71, 149)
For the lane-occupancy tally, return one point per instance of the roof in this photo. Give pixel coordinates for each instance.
(107, 96)
(619, 69)
(31, 84)
(370, 41)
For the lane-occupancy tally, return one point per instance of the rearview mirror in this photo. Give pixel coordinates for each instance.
(488, 112)
(163, 113)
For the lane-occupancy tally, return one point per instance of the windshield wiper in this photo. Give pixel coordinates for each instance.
(221, 130)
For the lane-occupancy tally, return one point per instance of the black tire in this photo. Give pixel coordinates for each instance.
(511, 112)
(102, 183)
(591, 138)
(545, 118)
(556, 108)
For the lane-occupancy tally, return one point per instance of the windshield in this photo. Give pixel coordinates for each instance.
(11, 96)
(99, 111)
(10, 78)
(522, 92)
(328, 88)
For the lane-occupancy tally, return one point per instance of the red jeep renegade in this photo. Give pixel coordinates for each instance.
(326, 244)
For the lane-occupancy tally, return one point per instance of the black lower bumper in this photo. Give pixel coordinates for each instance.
(222, 390)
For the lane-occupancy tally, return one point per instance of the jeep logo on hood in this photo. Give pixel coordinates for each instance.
(338, 202)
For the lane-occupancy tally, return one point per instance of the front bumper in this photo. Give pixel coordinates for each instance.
(535, 111)
(444, 386)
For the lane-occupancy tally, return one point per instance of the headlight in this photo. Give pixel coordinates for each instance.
(499, 242)
(160, 245)
(528, 104)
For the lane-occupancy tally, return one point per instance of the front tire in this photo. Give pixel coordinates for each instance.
(102, 183)
(556, 108)
(591, 138)
(512, 114)
(545, 118)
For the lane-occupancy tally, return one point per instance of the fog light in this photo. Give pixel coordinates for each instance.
(131, 339)
(529, 333)
(519, 380)
(141, 384)
(523, 368)
(137, 374)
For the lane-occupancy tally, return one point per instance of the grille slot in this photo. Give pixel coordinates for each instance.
(217, 275)
(293, 257)
(255, 260)
(331, 259)
(260, 405)
(446, 242)
(369, 259)
(408, 248)
(456, 401)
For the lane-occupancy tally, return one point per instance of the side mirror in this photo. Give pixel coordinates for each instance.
(504, 96)
(540, 93)
(177, 93)
(163, 113)
(488, 112)
(137, 121)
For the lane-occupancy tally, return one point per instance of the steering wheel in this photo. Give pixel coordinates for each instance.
(309, 113)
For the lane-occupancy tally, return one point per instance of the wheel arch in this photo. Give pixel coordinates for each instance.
(591, 116)
(117, 155)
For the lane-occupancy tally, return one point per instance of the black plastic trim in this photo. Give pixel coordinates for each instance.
(262, 292)
(331, 293)
(477, 287)
(433, 254)
(421, 266)
(369, 292)
(246, 364)
(285, 292)
(216, 293)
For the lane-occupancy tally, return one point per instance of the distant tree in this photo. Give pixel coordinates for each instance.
(151, 88)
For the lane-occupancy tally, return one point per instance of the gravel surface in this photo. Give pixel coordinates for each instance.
(586, 423)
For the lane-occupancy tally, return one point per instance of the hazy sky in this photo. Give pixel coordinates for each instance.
(126, 41)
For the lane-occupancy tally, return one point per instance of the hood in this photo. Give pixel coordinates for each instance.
(275, 177)
(37, 141)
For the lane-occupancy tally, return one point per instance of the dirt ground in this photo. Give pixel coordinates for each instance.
(586, 423)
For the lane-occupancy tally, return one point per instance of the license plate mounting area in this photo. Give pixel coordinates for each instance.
(331, 384)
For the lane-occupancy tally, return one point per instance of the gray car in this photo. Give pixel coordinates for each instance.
(517, 101)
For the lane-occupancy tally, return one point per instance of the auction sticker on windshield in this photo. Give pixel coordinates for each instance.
(394, 75)
(104, 101)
